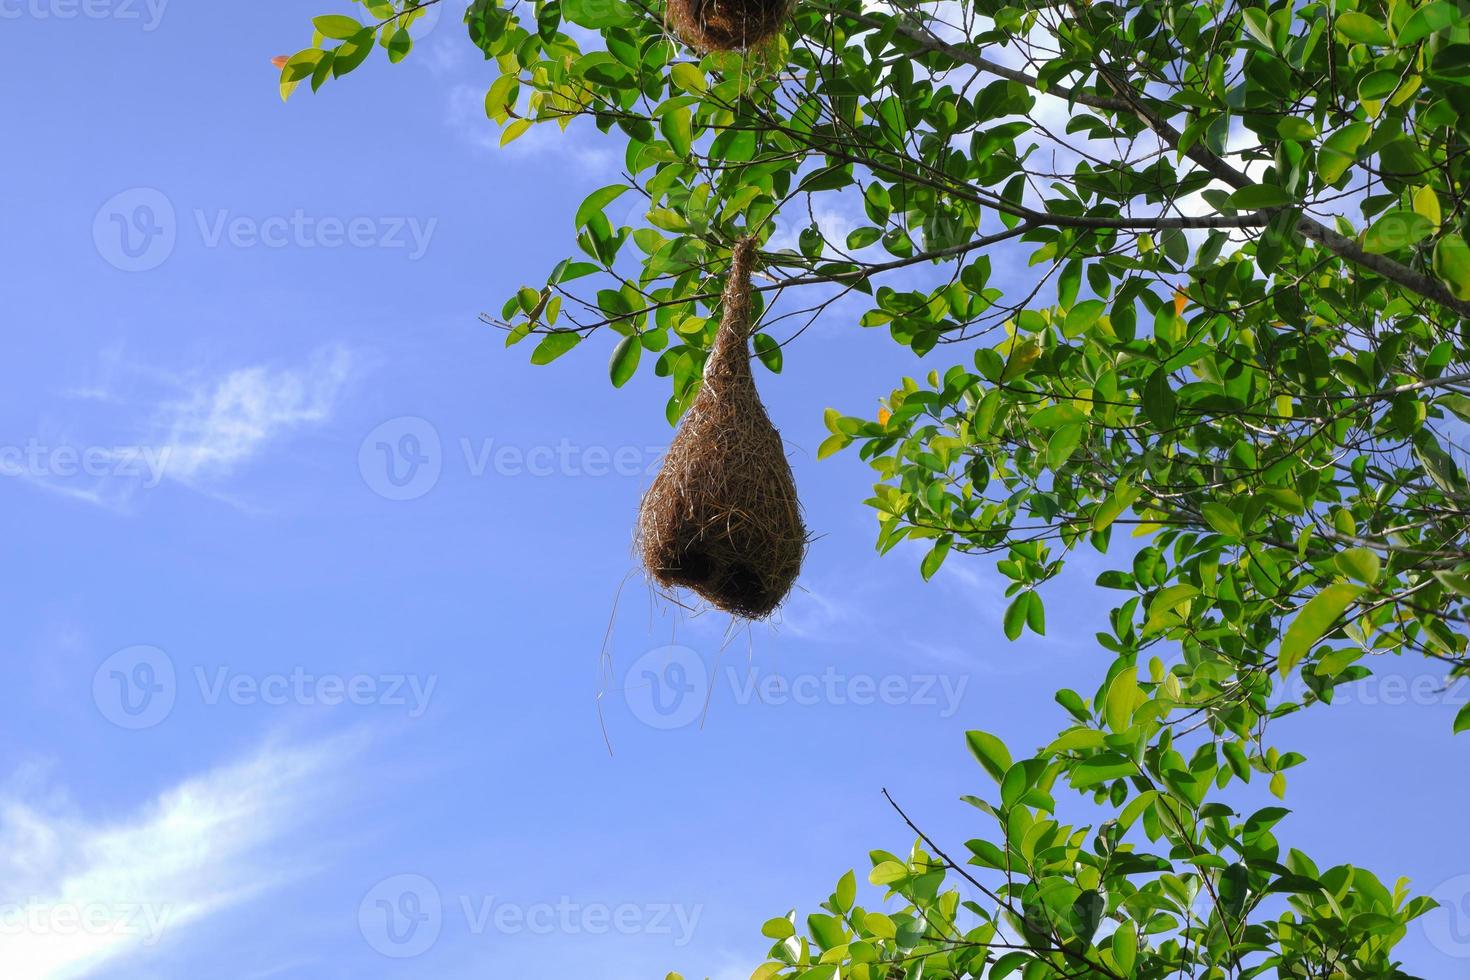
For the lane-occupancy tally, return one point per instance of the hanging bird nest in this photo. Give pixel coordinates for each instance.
(727, 25)
(722, 517)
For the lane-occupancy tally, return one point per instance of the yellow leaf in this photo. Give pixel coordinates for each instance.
(1021, 358)
(1426, 203)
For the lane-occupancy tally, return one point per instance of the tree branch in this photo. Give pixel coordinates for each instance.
(1127, 100)
(1339, 245)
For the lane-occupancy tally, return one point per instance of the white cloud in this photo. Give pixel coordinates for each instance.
(194, 428)
(223, 424)
(820, 614)
(590, 154)
(81, 892)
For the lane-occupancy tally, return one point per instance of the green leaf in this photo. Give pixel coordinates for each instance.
(1462, 719)
(1314, 619)
(768, 350)
(1377, 85)
(1426, 203)
(599, 199)
(1339, 151)
(624, 361)
(1234, 889)
(501, 98)
(597, 14)
(675, 125)
(1452, 264)
(1014, 619)
(1036, 614)
(991, 753)
(1122, 699)
(1360, 564)
(514, 131)
(1258, 196)
(300, 66)
(352, 52)
(832, 444)
(1125, 948)
(336, 26)
(400, 43)
(1359, 27)
(1428, 19)
(935, 557)
(1082, 317)
(1258, 25)
(778, 928)
(1296, 128)
(1223, 519)
(688, 77)
(1397, 229)
(554, 345)
(879, 925)
(1163, 610)
(1063, 443)
(1158, 400)
(887, 872)
(846, 892)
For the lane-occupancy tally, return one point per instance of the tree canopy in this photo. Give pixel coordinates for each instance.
(1194, 278)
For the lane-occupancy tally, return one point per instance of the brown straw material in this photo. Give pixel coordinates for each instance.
(727, 25)
(722, 517)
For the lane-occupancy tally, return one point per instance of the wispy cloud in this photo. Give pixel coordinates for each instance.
(224, 424)
(819, 612)
(465, 116)
(82, 892)
(194, 428)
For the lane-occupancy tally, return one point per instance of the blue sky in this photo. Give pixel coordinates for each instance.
(275, 709)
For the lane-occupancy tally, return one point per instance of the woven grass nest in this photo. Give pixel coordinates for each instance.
(722, 517)
(727, 25)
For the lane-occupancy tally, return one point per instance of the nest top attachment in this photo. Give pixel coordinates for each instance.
(722, 517)
(727, 25)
